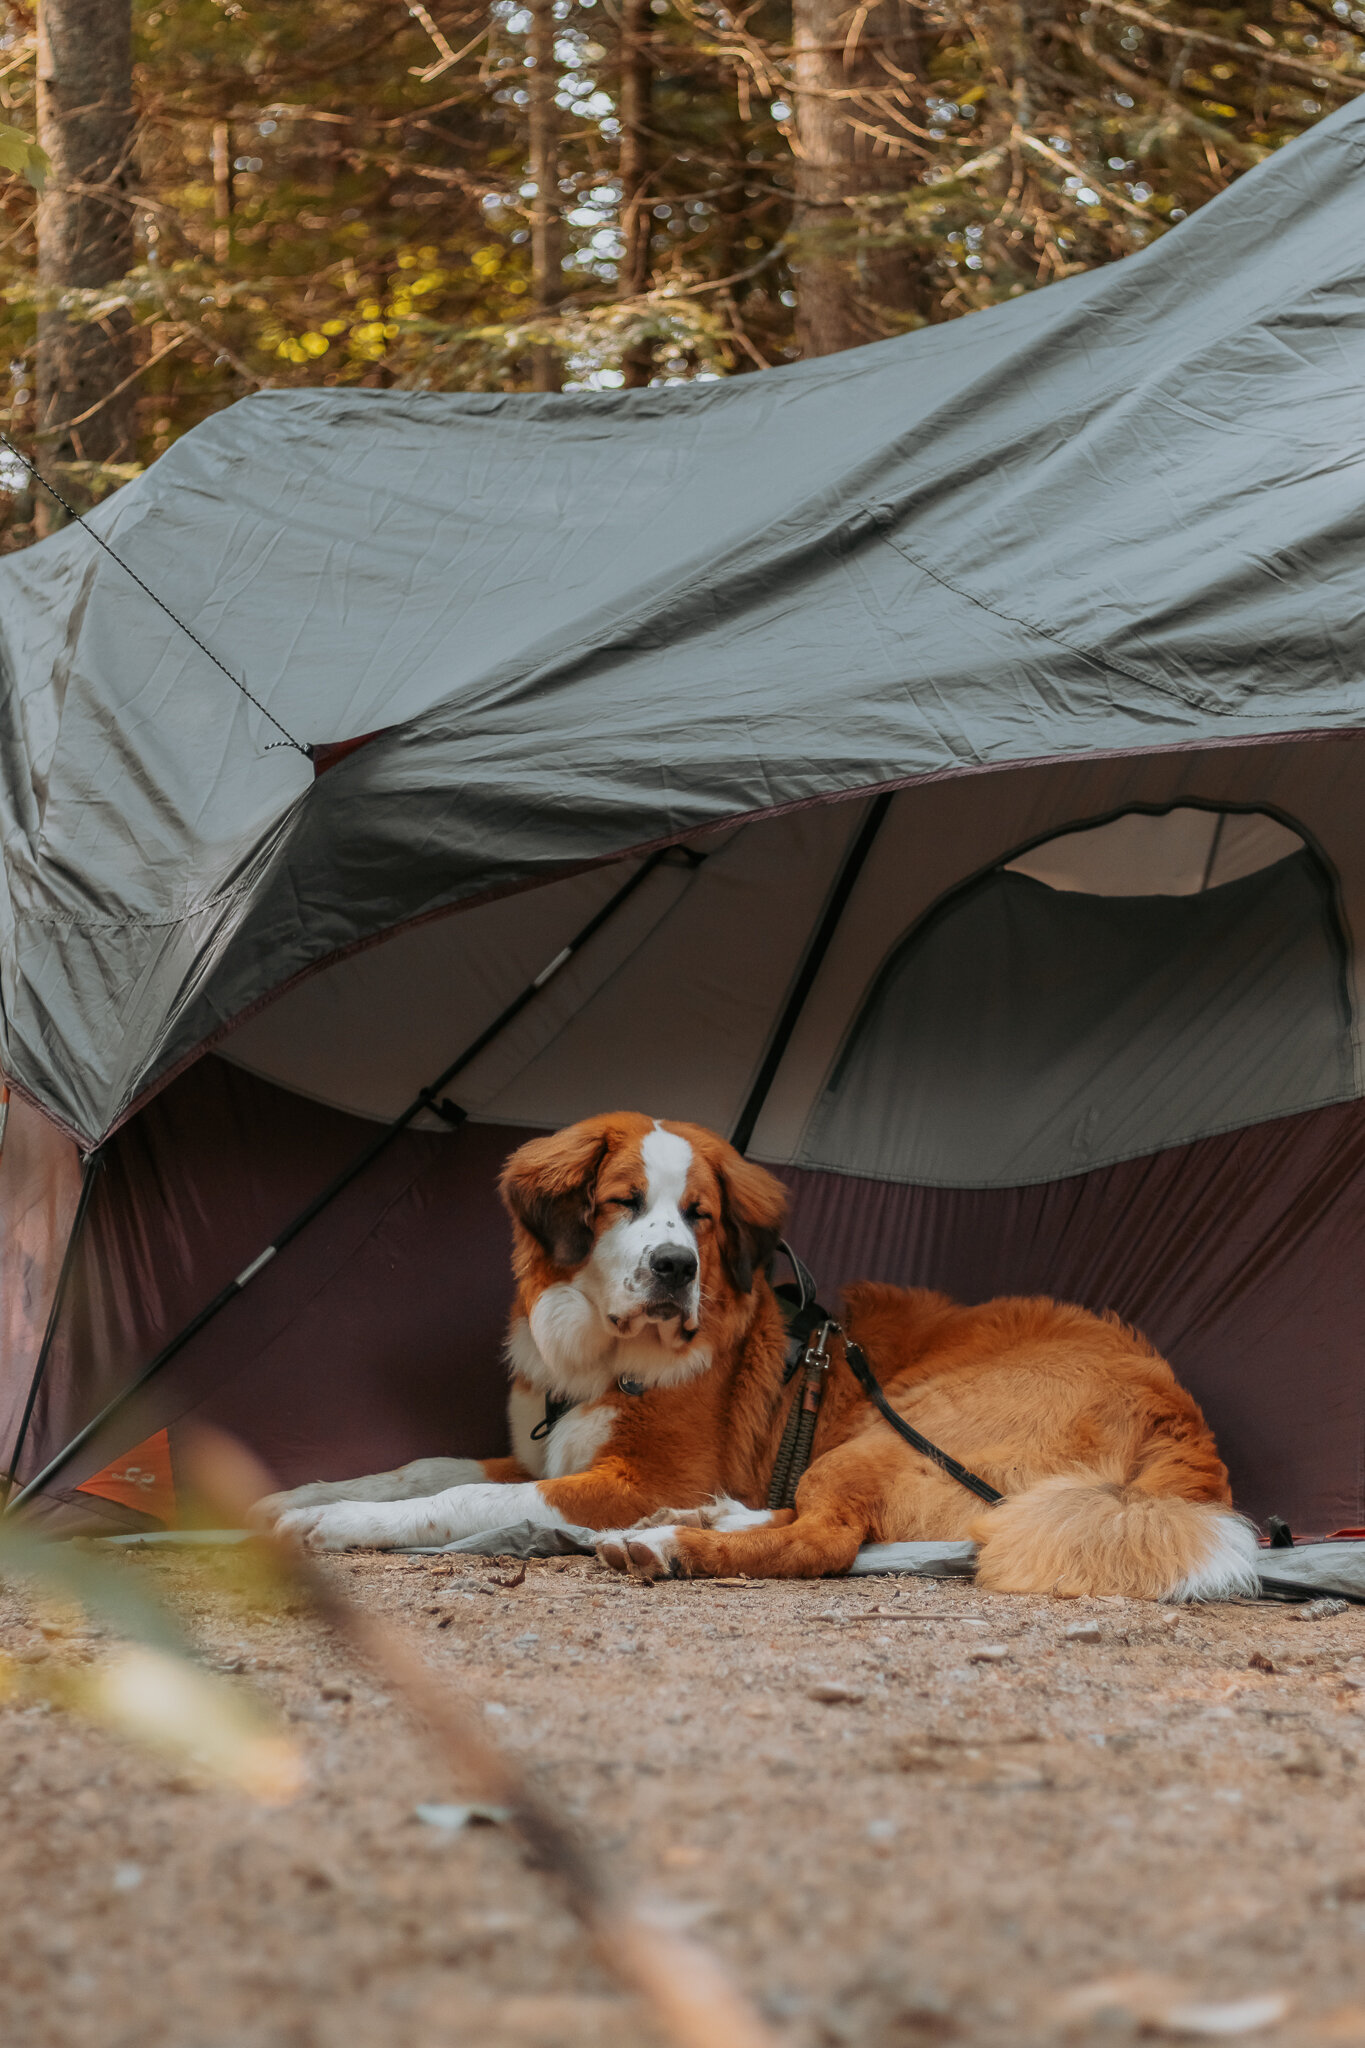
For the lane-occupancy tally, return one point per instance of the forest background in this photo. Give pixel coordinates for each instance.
(545, 194)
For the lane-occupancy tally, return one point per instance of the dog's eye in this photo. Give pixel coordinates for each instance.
(631, 1202)
(694, 1213)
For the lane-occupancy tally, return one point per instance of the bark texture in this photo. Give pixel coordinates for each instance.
(85, 226)
(853, 275)
(634, 166)
(547, 227)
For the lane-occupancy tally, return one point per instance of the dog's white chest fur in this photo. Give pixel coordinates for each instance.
(576, 1439)
(571, 1445)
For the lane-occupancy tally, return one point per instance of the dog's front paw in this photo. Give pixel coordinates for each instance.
(720, 1513)
(647, 1552)
(268, 1512)
(344, 1525)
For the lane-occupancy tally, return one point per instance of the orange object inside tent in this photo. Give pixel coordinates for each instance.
(140, 1479)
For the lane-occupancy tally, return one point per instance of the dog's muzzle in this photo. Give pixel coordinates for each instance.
(671, 1271)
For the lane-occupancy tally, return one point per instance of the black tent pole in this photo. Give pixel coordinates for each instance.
(90, 1167)
(810, 968)
(427, 1098)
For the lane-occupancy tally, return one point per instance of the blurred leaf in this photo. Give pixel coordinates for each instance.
(152, 1689)
(20, 153)
(182, 1710)
(103, 1589)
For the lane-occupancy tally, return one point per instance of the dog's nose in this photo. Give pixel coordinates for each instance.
(674, 1264)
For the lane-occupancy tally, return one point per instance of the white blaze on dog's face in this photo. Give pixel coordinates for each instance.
(632, 1234)
(645, 1266)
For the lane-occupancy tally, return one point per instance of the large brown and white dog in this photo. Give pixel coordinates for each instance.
(640, 1258)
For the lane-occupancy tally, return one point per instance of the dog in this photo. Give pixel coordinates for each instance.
(646, 1334)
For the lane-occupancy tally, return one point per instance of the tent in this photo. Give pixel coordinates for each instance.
(936, 766)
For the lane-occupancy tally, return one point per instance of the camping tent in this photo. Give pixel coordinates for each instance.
(936, 765)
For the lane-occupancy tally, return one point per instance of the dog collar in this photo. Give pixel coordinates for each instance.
(556, 1407)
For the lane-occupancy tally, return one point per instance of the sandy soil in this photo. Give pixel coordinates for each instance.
(941, 1857)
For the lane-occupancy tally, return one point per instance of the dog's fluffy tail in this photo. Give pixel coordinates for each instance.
(1082, 1533)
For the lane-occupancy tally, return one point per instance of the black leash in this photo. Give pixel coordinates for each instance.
(557, 1406)
(798, 1438)
(810, 1328)
(555, 1411)
(862, 1372)
(807, 1337)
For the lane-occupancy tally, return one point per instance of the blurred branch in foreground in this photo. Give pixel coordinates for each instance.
(684, 1987)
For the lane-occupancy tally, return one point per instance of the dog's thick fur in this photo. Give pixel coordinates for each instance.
(640, 1251)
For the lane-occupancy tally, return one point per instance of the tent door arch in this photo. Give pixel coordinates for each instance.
(1112, 992)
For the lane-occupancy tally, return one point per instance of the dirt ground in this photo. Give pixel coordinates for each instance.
(942, 1856)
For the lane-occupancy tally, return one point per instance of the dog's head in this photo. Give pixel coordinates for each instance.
(631, 1229)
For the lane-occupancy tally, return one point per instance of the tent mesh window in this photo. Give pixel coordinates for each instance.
(1107, 994)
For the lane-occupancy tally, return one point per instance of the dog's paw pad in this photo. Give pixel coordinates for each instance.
(653, 1553)
(611, 1551)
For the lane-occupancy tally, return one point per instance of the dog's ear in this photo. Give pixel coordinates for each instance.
(753, 1208)
(548, 1187)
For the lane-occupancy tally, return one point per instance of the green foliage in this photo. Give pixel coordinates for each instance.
(334, 195)
(1061, 137)
(20, 153)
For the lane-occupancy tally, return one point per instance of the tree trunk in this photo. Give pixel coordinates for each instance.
(547, 226)
(845, 278)
(637, 363)
(85, 226)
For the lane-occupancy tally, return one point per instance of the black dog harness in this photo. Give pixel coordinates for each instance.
(810, 1330)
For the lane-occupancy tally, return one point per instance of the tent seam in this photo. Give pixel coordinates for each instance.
(77, 921)
(1100, 661)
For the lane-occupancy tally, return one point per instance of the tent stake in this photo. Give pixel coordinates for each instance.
(90, 1167)
(810, 968)
(426, 1098)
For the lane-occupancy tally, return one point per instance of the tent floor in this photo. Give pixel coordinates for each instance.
(943, 1857)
